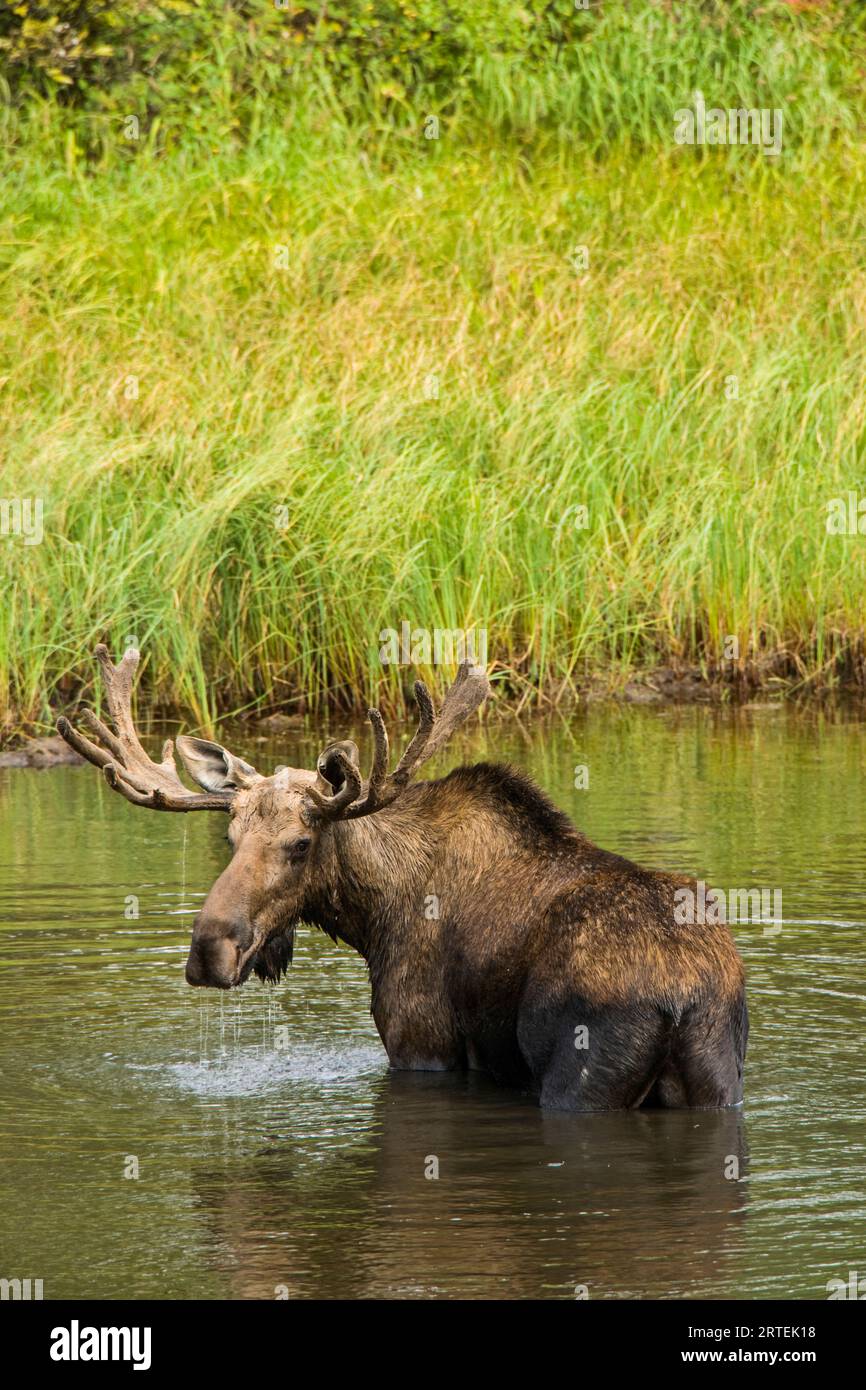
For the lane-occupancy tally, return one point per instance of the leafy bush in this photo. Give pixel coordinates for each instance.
(81, 43)
(59, 44)
(611, 69)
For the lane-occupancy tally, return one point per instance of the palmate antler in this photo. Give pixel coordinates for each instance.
(471, 687)
(126, 766)
(129, 770)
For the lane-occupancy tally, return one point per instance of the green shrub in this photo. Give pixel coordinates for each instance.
(614, 71)
(60, 44)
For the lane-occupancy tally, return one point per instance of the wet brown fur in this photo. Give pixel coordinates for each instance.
(539, 933)
(496, 935)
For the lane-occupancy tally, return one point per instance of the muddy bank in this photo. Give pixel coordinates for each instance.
(40, 752)
(662, 685)
(684, 686)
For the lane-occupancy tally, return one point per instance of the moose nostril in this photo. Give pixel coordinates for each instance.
(214, 957)
(241, 934)
(194, 967)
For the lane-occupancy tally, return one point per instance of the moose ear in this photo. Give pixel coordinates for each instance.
(214, 767)
(331, 776)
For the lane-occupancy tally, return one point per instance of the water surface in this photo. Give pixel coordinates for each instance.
(276, 1154)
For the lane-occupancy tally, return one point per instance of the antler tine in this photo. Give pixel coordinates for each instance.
(372, 800)
(469, 689)
(159, 800)
(381, 752)
(102, 731)
(118, 692)
(125, 764)
(82, 745)
(426, 724)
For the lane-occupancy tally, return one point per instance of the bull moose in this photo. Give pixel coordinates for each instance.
(497, 936)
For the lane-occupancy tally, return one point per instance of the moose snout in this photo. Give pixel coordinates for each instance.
(216, 954)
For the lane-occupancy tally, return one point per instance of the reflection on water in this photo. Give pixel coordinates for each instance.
(277, 1156)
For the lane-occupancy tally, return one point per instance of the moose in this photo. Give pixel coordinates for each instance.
(497, 936)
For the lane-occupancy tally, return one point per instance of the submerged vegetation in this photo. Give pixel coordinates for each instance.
(312, 331)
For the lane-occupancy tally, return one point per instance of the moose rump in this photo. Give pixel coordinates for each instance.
(555, 965)
(636, 1015)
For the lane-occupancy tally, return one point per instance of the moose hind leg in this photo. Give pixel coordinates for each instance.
(607, 1061)
(705, 1071)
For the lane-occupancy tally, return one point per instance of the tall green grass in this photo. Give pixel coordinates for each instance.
(418, 266)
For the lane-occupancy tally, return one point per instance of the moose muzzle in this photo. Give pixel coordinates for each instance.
(220, 953)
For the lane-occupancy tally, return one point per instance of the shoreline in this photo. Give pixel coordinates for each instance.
(38, 745)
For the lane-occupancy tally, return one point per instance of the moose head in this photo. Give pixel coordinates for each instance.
(284, 829)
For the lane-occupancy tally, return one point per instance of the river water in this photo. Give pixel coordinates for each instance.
(275, 1154)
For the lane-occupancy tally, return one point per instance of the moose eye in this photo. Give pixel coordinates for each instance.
(297, 849)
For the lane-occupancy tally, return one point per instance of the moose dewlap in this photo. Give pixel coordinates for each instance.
(497, 936)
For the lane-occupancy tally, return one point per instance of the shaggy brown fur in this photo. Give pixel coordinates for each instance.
(496, 935)
(494, 930)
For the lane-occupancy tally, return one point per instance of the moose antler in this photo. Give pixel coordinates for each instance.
(126, 766)
(470, 688)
